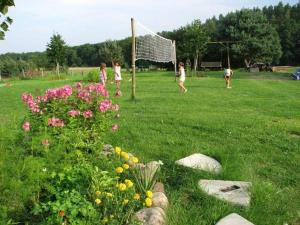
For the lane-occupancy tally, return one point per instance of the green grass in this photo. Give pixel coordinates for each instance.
(253, 129)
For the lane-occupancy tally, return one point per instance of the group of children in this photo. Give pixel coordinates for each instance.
(181, 74)
(117, 71)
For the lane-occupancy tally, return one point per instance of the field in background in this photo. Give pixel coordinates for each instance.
(253, 129)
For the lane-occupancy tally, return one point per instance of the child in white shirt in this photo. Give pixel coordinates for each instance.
(182, 78)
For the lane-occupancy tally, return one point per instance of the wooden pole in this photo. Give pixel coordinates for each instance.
(228, 58)
(133, 58)
(175, 60)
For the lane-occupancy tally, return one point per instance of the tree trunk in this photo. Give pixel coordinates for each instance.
(196, 61)
(247, 62)
(57, 69)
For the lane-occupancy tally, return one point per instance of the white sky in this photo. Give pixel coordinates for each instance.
(94, 21)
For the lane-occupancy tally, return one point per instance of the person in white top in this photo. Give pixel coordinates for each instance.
(118, 77)
(182, 78)
(227, 76)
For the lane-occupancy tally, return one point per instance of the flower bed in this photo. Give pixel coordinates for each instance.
(76, 182)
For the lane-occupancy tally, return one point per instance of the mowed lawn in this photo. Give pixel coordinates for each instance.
(253, 130)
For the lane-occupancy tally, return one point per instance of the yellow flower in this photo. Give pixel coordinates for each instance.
(128, 183)
(118, 150)
(122, 187)
(105, 220)
(149, 194)
(125, 202)
(126, 166)
(98, 193)
(125, 155)
(137, 196)
(134, 159)
(109, 195)
(148, 202)
(119, 170)
(97, 201)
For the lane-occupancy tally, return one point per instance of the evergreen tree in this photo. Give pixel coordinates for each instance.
(56, 51)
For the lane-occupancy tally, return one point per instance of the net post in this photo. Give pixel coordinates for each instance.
(133, 58)
(175, 60)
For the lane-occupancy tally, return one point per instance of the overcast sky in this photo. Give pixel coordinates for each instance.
(94, 21)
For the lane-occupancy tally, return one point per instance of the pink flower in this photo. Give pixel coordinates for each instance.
(74, 113)
(27, 97)
(55, 122)
(105, 105)
(58, 93)
(78, 85)
(85, 96)
(115, 127)
(115, 107)
(88, 114)
(91, 88)
(29, 101)
(26, 126)
(45, 142)
(100, 89)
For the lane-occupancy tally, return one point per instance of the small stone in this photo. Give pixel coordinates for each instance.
(151, 216)
(159, 199)
(201, 162)
(234, 219)
(236, 192)
(159, 187)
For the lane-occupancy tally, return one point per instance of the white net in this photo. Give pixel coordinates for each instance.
(150, 46)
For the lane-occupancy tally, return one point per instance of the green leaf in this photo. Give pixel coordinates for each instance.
(4, 26)
(3, 9)
(9, 20)
(2, 35)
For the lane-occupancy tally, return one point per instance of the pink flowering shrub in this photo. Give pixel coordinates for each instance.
(77, 117)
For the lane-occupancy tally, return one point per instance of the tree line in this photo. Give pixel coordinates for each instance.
(268, 35)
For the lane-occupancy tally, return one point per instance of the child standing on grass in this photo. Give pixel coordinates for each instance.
(182, 78)
(227, 76)
(118, 78)
(103, 75)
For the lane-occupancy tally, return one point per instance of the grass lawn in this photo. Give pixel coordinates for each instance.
(253, 130)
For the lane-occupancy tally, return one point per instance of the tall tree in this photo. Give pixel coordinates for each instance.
(56, 51)
(110, 51)
(5, 21)
(286, 20)
(196, 39)
(256, 39)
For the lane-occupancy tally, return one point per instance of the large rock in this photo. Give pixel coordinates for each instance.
(201, 162)
(151, 216)
(159, 187)
(234, 219)
(236, 192)
(159, 199)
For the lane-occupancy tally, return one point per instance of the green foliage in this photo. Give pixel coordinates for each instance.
(5, 21)
(196, 39)
(255, 147)
(56, 50)
(111, 51)
(256, 39)
(93, 75)
(68, 178)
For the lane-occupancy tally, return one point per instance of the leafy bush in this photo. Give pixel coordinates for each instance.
(75, 182)
(93, 75)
